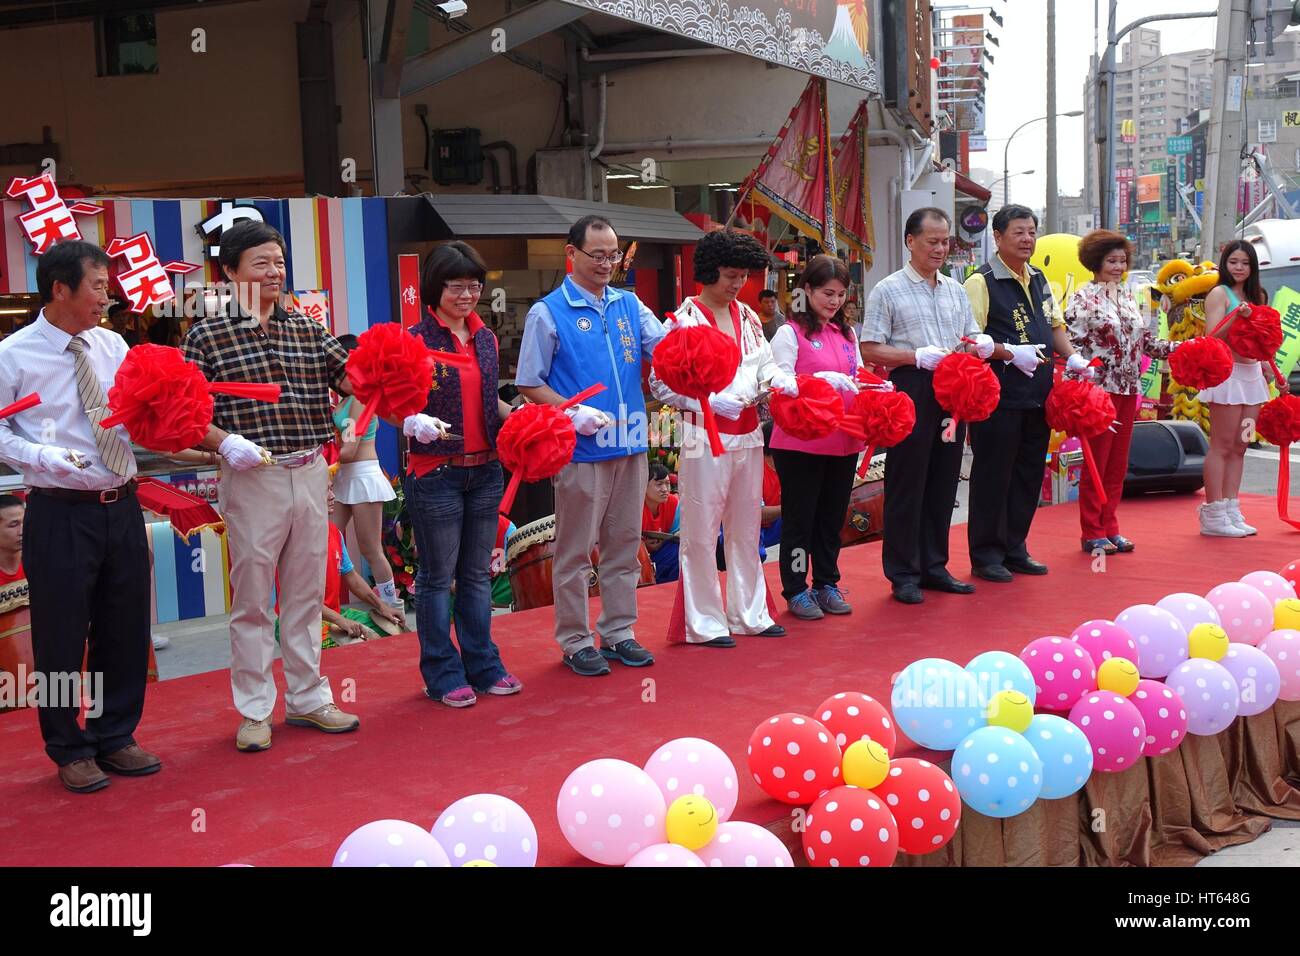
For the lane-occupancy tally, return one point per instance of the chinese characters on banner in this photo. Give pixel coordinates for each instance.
(315, 304)
(50, 219)
(853, 188)
(1124, 182)
(408, 289)
(145, 282)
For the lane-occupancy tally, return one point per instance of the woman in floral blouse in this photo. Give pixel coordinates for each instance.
(1106, 323)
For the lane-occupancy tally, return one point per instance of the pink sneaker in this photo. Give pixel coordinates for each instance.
(510, 684)
(460, 697)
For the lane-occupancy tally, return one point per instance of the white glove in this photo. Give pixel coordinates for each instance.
(1024, 357)
(984, 345)
(424, 428)
(1077, 364)
(726, 405)
(240, 453)
(55, 461)
(929, 356)
(839, 381)
(586, 420)
(784, 383)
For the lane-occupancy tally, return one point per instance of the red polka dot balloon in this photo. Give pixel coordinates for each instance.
(1063, 672)
(793, 758)
(924, 803)
(850, 827)
(851, 717)
(1292, 573)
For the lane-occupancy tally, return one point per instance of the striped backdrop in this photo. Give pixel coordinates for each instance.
(190, 578)
(336, 244)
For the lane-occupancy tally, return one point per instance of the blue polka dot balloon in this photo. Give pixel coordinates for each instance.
(1065, 752)
(997, 772)
(936, 703)
(996, 671)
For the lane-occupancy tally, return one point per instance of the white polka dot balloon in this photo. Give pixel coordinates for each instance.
(924, 801)
(1063, 671)
(689, 765)
(851, 716)
(1163, 713)
(1245, 612)
(1209, 693)
(609, 810)
(850, 827)
(1113, 726)
(997, 772)
(936, 703)
(996, 671)
(1105, 639)
(390, 843)
(738, 844)
(1065, 752)
(793, 758)
(486, 826)
(1271, 584)
(1190, 609)
(664, 855)
(1283, 649)
(1161, 638)
(1256, 675)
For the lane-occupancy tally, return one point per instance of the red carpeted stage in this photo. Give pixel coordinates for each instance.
(293, 805)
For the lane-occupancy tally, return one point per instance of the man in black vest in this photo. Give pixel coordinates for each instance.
(1014, 304)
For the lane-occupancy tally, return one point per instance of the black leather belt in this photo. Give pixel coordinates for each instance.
(101, 497)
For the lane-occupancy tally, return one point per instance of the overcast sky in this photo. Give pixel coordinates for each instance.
(1017, 87)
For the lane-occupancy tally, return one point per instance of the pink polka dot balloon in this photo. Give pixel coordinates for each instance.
(1105, 639)
(1113, 726)
(1190, 609)
(924, 802)
(1244, 612)
(390, 843)
(1283, 649)
(1063, 671)
(793, 758)
(745, 845)
(1161, 639)
(1209, 693)
(850, 827)
(1273, 586)
(663, 855)
(1164, 715)
(691, 765)
(609, 810)
(1256, 675)
(851, 717)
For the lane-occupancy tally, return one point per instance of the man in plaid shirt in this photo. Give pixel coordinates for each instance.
(273, 486)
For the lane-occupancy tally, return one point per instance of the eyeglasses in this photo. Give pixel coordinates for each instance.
(613, 259)
(461, 288)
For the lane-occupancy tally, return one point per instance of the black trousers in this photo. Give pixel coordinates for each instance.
(1006, 479)
(815, 492)
(87, 570)
(921, 474)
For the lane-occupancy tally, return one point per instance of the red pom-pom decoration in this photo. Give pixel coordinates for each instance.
(1279, 420)
(1079, 408)
(966, 387)
(886, 418)
(392, 372)
(1202, 362)
(536, 442)
(696, 361)
(814, 413)
(164, 401)
(1257, 335)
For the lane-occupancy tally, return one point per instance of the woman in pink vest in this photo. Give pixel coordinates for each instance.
(818, 474)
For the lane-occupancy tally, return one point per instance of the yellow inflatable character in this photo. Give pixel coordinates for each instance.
(1057, 257)
(1183, 288)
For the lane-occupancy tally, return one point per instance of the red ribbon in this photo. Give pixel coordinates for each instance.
(254, 390)
(24, 403)
(1284, 487)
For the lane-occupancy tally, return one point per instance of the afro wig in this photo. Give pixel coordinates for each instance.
(727, 250)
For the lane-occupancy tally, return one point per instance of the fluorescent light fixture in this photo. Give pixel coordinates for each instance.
(622, 176)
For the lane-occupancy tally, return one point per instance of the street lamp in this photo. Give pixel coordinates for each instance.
(1006, 151)
(1006, 181)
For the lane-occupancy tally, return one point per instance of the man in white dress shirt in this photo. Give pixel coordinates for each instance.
(84, 546)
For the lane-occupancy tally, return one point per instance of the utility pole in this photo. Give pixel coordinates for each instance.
(1052, 225)
(1223, 142)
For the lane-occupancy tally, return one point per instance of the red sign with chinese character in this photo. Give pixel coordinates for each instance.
(145, 282)
(50, 219)
(408, 289)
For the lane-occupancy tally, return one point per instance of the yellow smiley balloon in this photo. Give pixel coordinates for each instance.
(1056, 255)
(691, 821)
(865, 764)
(1119, 675)
(1286, 615)
(1010, 709)
(480, 863)
(1207, 640)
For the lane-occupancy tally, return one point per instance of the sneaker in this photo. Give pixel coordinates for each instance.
(831, 600)
(460, 697)
(1215, 521)
(329, 719)
(510, 684)
(628, 652)
(254, 735)
(804, 606)
(159, 642)
(1236, 519)
(587, 662)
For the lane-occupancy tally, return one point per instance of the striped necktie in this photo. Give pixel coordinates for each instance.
(112, 450)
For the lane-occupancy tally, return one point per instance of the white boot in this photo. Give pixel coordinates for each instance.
(1236, 519)
(1215, 522)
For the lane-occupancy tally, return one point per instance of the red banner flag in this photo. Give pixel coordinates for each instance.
(408, 281)
(853, 187)
(794, 179)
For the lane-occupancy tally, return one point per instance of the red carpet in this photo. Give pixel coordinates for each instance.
(294, 804)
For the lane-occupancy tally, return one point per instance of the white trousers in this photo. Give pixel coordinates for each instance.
(726, 491)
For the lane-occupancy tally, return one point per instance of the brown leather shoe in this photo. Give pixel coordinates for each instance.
(131, 761)
(82, 776)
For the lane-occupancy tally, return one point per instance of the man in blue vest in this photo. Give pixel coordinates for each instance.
(581, 334)
(1014, 304)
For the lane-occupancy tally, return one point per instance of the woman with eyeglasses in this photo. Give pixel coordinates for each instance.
(454, 484)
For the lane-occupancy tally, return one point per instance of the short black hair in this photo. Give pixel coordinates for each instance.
(347, 340)
(237, 240)
(727, 250)
(452, 260)
(66, 263)
(767, 294)
(658, 471)
(916, 221)
(1004, 216)
(11, 501)
(578, 231)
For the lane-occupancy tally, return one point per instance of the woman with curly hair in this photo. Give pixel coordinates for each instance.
(725, 491)
(1105, 323)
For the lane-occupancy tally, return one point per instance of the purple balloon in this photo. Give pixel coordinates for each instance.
(390, 843)
(1161, 639)
(489, 827)
(1256, 675)
(1190, 609)
(1209, 693)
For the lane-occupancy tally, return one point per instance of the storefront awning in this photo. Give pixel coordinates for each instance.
(968, 187)
(467, 216)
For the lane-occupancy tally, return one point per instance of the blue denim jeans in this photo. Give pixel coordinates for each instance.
(453, 512)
